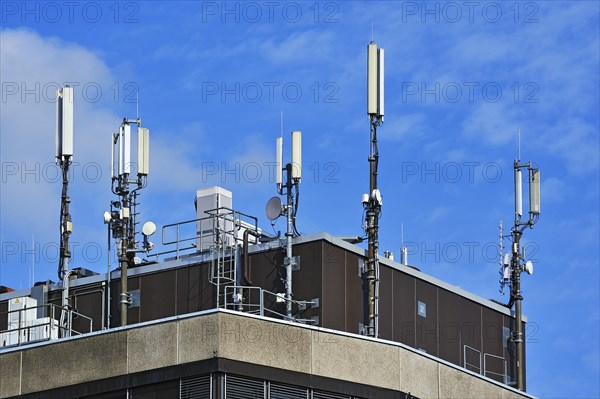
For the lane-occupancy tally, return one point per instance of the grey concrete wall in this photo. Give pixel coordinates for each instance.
(240, 338)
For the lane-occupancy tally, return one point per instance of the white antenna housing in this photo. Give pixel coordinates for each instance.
(278, 160)
(518, 193)
(375, 81)
(143, 150)
(126, 146)
(64, 122)
(297, 155)
(534, 191)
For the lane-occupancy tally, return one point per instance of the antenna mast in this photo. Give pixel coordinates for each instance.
(513, 267)
(123, 213)
(293, 171)
(64, 156)
(372, 202)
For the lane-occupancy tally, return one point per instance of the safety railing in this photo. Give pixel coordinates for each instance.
(198, 235)
(482, 367)
(58, 323)
(468, 364)
(487, 372)
(259, 301)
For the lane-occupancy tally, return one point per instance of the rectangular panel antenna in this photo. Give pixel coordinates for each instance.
(534, 191)
(126, 148)
(297, 155)
(64, 122)
(278, 160)
(518, 193)
(380, 82)
(372, 72)
(143, 150)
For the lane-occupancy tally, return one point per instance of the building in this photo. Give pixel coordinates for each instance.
(207, 319)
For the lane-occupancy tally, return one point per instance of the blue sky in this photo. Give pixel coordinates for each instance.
(212, 77)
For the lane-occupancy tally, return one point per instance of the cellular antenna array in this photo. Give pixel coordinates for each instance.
(126, 182)
(64, 158)
(515, 263)
(372, 202)
(293, 172)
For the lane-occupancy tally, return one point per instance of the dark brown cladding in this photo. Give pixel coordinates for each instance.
(412, 311)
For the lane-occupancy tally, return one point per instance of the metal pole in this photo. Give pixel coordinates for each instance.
(65, 234)
(372, 215)
(518, 335)
(123, 258)
(289, 260)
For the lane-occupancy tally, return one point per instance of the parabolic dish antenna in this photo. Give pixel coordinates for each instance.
(274, 208)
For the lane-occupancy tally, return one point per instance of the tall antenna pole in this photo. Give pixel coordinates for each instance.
(372, 201)
(517, 260)
(64, 156)
(124, 224)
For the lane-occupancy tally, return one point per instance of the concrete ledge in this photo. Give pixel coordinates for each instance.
(10, 372)
(220, 334)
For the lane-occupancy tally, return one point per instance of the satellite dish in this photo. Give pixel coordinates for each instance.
(274, 208)
(148, 229)
(107, 217)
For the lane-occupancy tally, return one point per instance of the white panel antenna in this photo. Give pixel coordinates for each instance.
(380, 82)
(278, 160)
(126, 146)
(143, 150)
(372, 87)
(375, 80)
(297, 155)
(64, 122)
(518, 194)
(534, 191)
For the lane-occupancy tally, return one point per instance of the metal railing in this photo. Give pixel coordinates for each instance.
(201, 234)
(493, 373)
(27, 328)
(482, 367)
(234, 300)
(467, 364)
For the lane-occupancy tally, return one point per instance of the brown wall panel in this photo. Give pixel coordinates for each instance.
(427, 334)
(355, 294)
(470, 320)
(333, 304)
(157, 295)
(188, 289)
(386, 302)
(87, 301)
(449, 326)
(307, 283)
(492, 323)
(404, 309)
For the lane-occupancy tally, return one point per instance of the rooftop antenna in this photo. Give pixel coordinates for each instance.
(125, 183)
(372, 202)
(64, 157)
(137, 105)
(275, 208)
(515, 264)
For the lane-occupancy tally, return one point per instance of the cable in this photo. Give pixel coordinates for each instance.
(296, 210)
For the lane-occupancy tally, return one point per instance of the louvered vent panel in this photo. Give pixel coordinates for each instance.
(281, 391)
(243, 388)
(195, 387)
